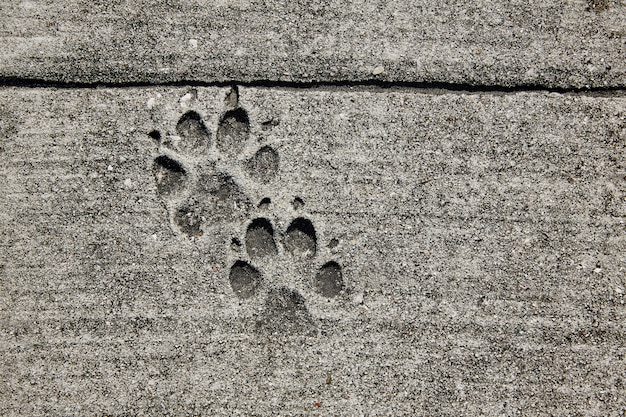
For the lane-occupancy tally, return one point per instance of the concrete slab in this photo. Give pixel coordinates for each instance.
(204, 251)
(555, 43)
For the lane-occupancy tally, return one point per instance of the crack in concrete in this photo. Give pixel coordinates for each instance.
(343, 85)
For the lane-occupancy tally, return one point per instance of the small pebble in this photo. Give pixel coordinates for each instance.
(184, 100)
(378, 70)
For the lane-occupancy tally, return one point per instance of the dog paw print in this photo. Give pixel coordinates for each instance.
(195, 180)
(197, 192)
(284, 309)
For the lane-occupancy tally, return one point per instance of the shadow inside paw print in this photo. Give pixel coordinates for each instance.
(199, 195)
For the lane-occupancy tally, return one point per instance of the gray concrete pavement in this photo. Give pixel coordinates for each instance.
(556, 43)
(455, 254)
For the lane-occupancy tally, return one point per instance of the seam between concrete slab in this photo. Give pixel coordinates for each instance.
(346, 85)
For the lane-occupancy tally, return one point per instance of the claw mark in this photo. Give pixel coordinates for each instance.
(232, 98)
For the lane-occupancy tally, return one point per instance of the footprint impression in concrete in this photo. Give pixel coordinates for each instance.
(198, 196)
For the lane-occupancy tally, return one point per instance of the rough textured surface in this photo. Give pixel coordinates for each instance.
(477, 240)
(554, 43)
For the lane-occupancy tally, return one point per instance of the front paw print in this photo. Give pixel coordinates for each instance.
(197, 194)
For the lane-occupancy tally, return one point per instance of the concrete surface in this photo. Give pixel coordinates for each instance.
(554, 43)
(453, 254)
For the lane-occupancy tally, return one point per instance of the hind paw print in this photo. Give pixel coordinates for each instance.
(255, 276)
(191, 171)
